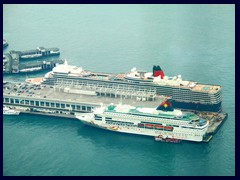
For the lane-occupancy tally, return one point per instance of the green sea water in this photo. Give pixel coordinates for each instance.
(196, 41)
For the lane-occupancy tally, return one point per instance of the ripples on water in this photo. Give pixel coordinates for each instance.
(194, 41)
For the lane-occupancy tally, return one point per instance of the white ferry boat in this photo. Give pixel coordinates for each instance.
(164, 123)
(33, 69)
(9, 111)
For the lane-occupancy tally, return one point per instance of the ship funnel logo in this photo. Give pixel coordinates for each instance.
(157, 71)
(165, 106)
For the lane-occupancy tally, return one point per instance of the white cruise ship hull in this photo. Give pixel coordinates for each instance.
(177, 133)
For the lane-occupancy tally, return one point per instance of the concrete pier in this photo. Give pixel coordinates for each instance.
(54, 101)
(12, 64)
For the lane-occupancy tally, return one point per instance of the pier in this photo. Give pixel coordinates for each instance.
(47, 99)
(12, 64)
(56, 101)
(14, 61)
(36, 53)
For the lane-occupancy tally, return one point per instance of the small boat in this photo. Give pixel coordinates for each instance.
(168, 128)
(31, 69)
(5, 43)
(9, 111)
(31, 56)
(167, 139)
(159, 127)
(36, 81)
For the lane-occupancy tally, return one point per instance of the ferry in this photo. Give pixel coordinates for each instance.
(33, 69)
(184, 94)
(9, 111)
(163, 123)
(36, 53)
(31, 56)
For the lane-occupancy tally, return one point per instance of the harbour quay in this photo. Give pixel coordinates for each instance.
(12, 64)
(46, 99)
(15, 61)
(36, 53)
(50, 100)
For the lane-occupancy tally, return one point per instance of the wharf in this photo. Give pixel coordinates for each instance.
(12, 64)
(36, 53)
(216, 120)
(12, 61)
(45, 97)
(53, 101)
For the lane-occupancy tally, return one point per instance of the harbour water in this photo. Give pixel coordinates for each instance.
(196, 41)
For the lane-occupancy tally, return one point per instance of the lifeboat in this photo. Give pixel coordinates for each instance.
(149, 125)
(168, 128)
(159, 127)
(113, 128)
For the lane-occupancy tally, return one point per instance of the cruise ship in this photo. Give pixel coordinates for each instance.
(163, 123)
(184, 94)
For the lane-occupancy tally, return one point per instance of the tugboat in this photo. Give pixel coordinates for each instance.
(167, 139)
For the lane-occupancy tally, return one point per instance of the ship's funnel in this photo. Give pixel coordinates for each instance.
(154, 69)
(157, 71)
(165, 106)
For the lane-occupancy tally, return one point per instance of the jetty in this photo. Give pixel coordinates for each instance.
(36, 53)
(43, 99)
(12, 64)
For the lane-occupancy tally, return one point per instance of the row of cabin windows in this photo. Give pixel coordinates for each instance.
(185, 135)
(111, 121)
(190, 97)
(152, 119)
(119, 123)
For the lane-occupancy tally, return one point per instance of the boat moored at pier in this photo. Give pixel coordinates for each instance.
(164, 123)
(5, 43)
(33, 69)
(184, 94)
(8, 111)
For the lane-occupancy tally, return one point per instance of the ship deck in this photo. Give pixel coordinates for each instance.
(206, 88)
(110, 77)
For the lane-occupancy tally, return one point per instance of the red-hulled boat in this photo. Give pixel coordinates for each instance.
(167, 139)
